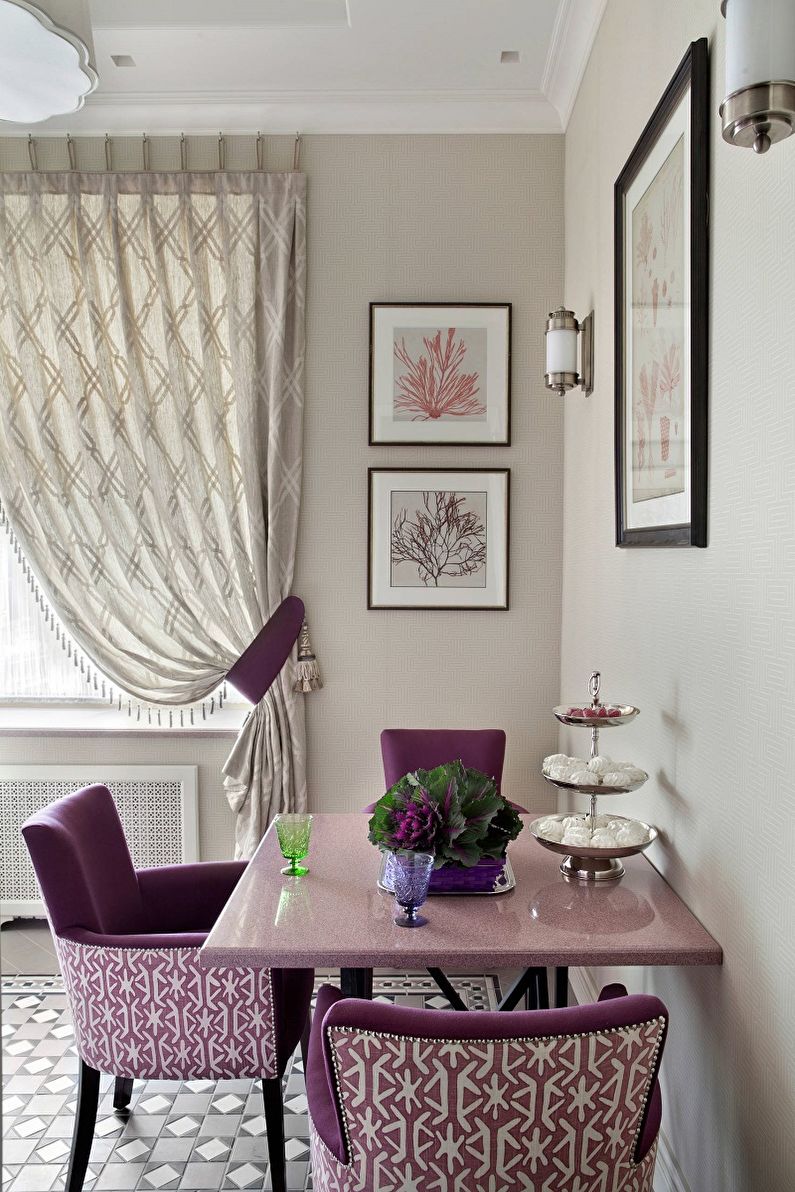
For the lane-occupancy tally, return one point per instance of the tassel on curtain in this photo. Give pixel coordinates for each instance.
(307, 671)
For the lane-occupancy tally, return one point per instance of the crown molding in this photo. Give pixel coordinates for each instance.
(373, 112)
(573, 36)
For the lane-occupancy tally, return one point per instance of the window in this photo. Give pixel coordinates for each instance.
(38, 666)
(33, 663)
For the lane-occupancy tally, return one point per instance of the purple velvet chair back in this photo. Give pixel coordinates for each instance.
(83, 865)
(407, 749)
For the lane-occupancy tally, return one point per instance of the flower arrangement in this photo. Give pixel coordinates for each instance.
(453, 812)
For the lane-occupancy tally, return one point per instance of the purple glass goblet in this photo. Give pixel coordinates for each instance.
(411, 874)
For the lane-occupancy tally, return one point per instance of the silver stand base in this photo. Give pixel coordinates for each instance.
(590, 869)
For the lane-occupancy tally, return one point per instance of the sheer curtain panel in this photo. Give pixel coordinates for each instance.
(151, 376)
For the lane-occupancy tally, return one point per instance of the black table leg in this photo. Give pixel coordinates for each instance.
(542, 989)
(561, 987)
(527, 983)
(357, 982)
(454, 998)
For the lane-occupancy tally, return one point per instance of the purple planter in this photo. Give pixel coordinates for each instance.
(478, 879)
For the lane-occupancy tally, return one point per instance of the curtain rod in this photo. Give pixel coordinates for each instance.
(146, 142)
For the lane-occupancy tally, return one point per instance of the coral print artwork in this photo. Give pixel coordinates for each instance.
(439, 539)
(658, 334)
(439, 375)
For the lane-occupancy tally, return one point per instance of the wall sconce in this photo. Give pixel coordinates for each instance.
(561, 336)
(759, 108)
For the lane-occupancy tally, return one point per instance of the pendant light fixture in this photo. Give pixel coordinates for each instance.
(759, 108)
(44, 70)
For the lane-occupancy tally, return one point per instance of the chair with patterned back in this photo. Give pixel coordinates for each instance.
(128, 945)
(433, 1099)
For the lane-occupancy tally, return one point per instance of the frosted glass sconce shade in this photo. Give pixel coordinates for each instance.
(44, 70)
(562, 333)
(759, 108)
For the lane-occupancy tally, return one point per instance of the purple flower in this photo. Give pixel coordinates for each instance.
(415, 825)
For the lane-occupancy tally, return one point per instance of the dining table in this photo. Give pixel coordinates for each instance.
(336, 917)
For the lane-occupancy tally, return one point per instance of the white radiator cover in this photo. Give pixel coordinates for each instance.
(157, 806)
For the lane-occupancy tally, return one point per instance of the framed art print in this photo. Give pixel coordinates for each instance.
(440, 373)
(438, 538)
(661, 343)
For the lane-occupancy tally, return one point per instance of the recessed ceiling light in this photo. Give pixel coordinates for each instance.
(122, 60)
(509, 56)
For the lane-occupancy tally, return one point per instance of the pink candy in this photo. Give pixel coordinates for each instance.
(601, 713)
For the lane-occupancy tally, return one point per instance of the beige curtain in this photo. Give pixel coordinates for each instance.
(151, 382)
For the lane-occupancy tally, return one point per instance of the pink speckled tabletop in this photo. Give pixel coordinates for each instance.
(335, 916)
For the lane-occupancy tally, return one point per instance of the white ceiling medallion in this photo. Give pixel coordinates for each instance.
(44, 70)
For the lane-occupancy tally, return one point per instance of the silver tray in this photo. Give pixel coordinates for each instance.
(596, 790)
(505, 882)
(592, 864)
(627, 712)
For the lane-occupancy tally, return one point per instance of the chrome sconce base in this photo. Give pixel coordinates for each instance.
(757, 117)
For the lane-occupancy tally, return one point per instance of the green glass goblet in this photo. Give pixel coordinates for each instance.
(293, 831)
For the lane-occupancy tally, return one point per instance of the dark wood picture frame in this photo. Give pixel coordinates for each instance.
(373, 441)
(693, 74)
(371, 472)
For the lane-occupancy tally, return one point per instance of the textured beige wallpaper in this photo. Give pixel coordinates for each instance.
(457, 218)
(701, 640)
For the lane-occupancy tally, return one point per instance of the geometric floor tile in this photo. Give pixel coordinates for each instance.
(192, 1136)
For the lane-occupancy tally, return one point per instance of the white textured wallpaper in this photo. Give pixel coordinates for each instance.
(447, 218)
(703, 641)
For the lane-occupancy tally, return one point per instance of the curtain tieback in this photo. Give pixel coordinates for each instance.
(307, 671)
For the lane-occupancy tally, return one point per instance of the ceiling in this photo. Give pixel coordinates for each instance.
(353, 66)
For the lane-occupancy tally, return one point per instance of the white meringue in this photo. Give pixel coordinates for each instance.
(614, 778)
(573, 821)
(560, 772)
(550, 829)
(600, 765)
(631, 833)
(603, 838)
(635, 774)
(577, 839)
(555, 759)
(584, 778)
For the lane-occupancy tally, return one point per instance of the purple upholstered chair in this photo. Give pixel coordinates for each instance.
(128, 946)
(407, 749)
(548, 1099)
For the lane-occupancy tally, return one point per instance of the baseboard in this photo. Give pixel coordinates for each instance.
(668, 1175)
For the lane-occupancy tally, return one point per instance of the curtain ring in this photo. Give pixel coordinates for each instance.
(183, 152)
(108, 152)
(32, 152)
(221, 151)
(145, 147)
(259, 150)
(70, 149)
(297, 151)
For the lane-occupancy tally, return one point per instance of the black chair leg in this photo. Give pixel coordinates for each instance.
(274, 1126)
(85, 1121)
(122, 1094)
(305, 1042)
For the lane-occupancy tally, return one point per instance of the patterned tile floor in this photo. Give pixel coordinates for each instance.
(194, 1135)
